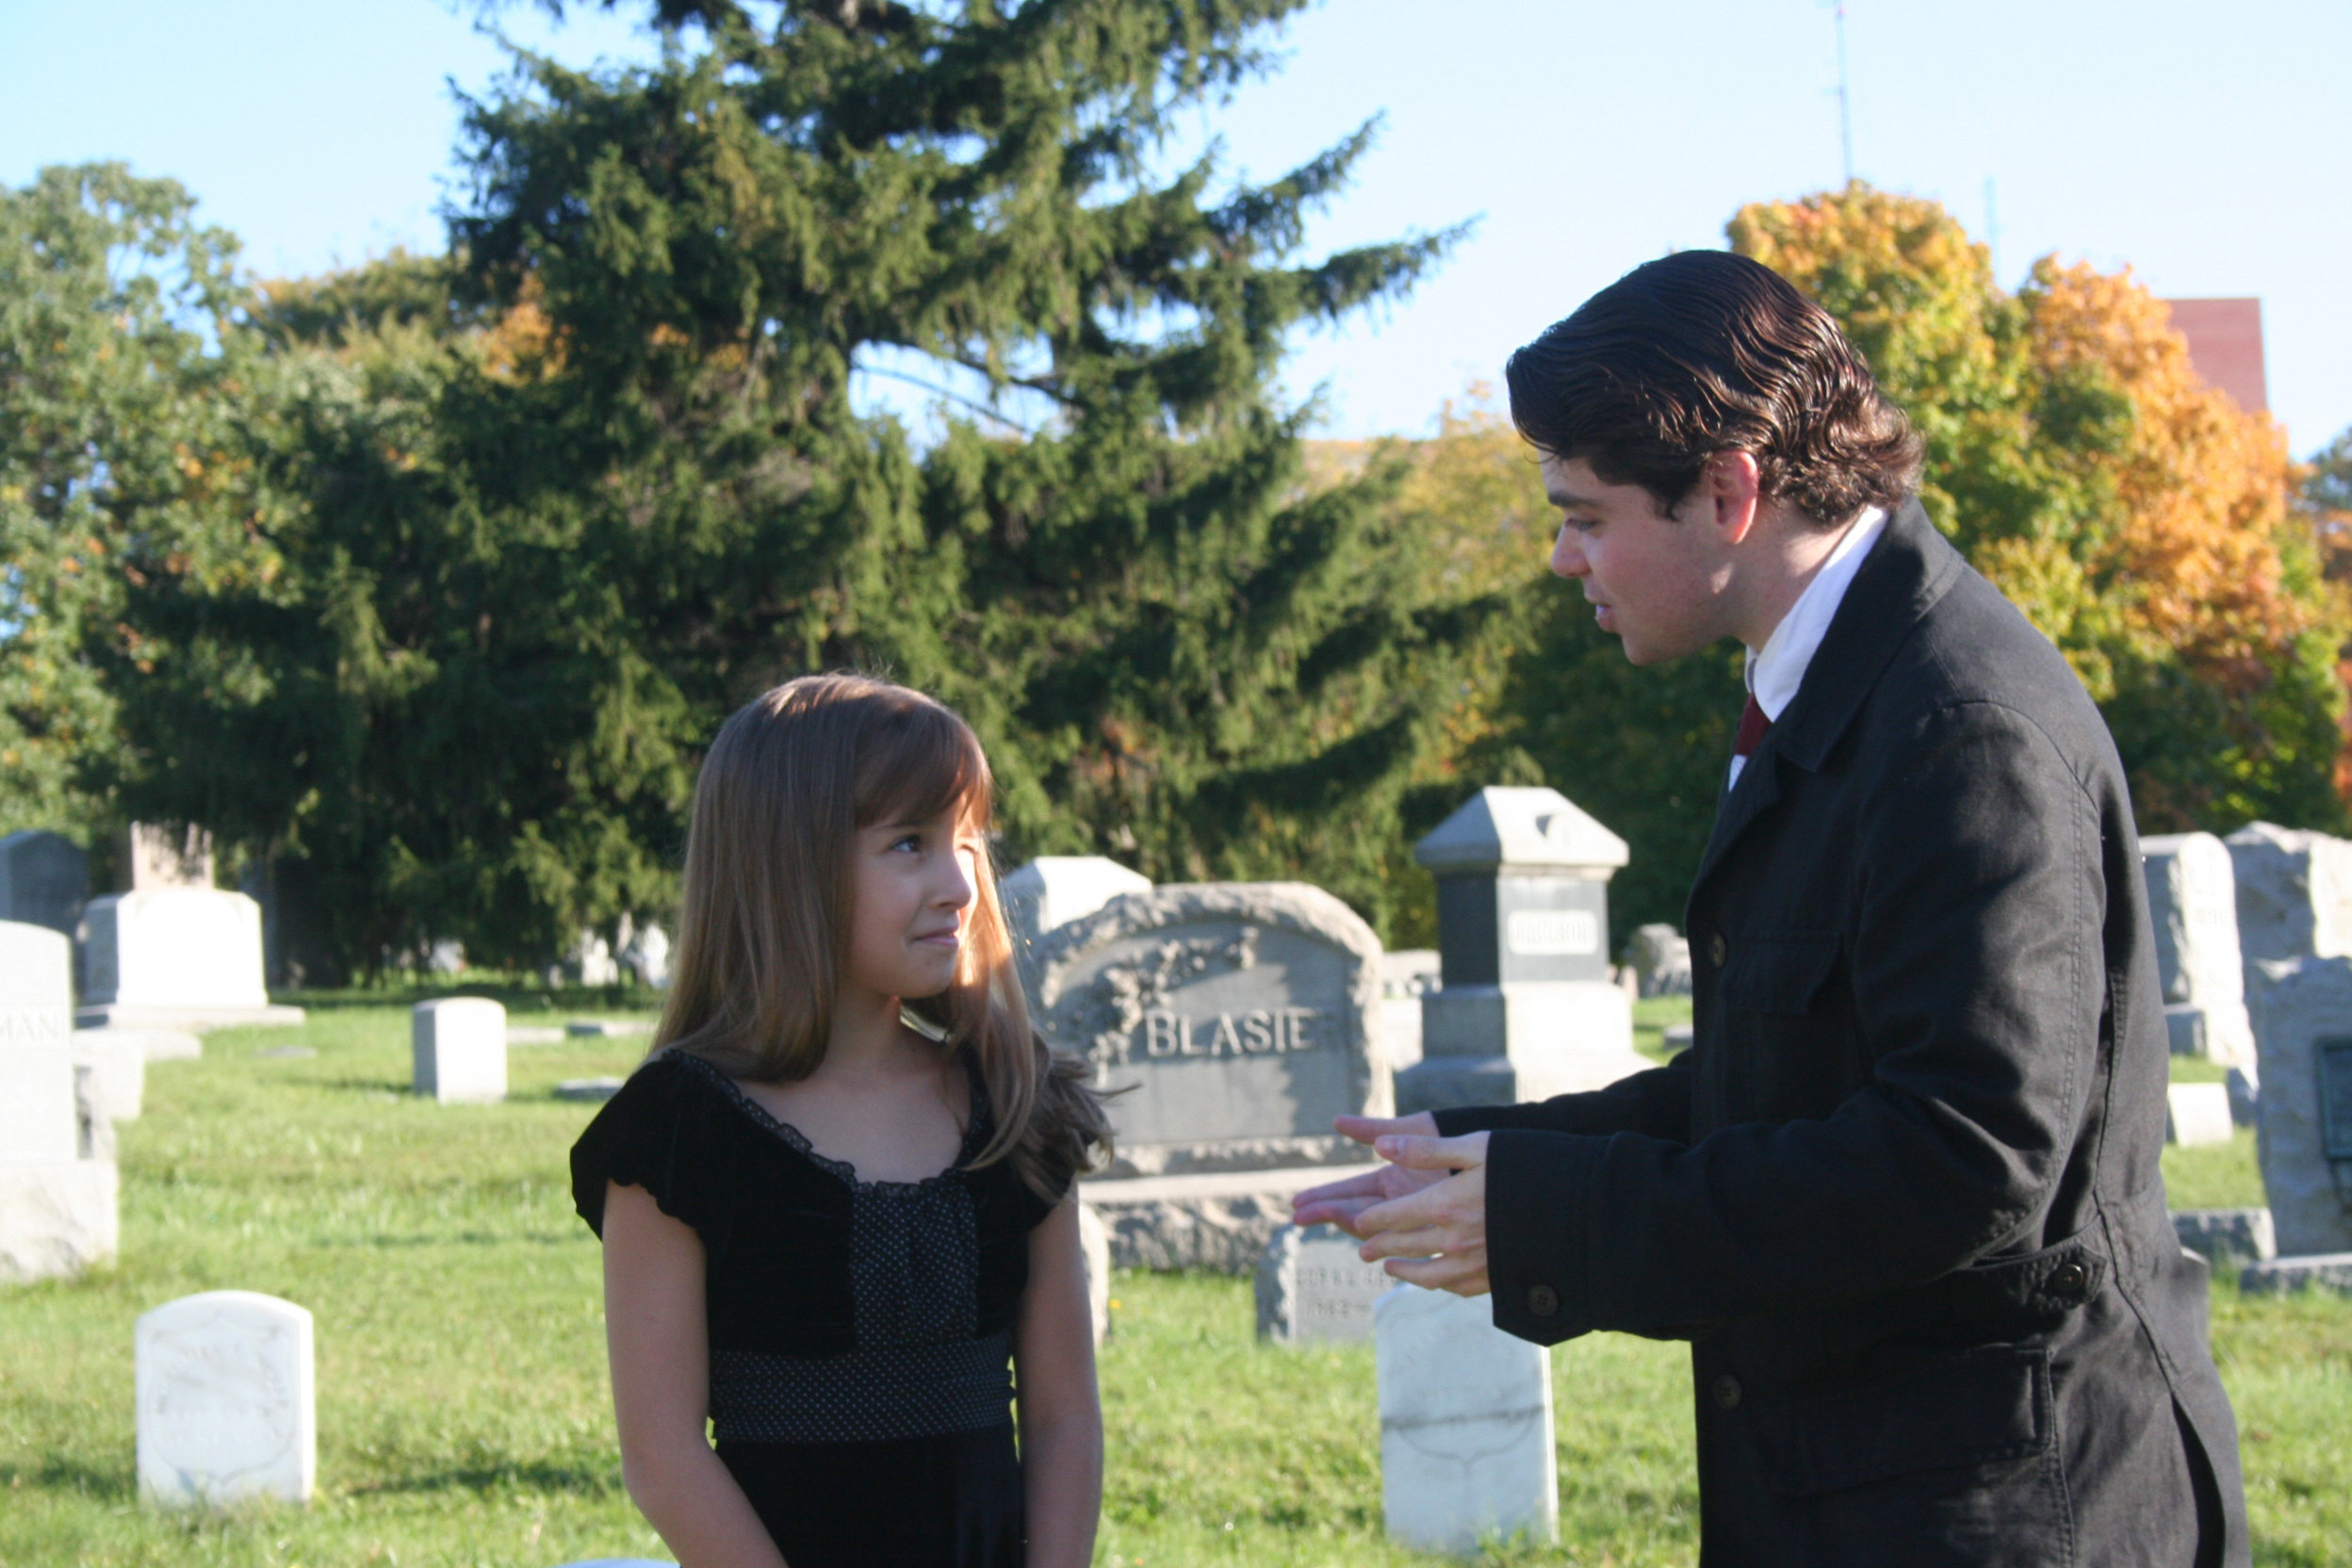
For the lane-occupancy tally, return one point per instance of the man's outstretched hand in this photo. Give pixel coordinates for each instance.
(1339, 1202)
(1424, 1212)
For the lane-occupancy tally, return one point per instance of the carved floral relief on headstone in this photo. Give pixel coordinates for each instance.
(1231, 1021)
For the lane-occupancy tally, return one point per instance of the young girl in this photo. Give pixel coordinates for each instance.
(835, 1200)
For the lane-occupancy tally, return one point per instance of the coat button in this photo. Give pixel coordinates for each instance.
(1543, 1301)
(1727, 1392)
(2069, 1278)
(1718, 949)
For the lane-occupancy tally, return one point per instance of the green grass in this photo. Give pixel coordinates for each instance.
(463, 1414)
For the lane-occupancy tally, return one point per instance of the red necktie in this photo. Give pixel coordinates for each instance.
(1753, 723)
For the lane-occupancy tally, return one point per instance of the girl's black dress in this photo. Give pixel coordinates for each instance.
(860, 1332)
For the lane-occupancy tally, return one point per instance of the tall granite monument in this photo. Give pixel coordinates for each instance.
(1528, 1010)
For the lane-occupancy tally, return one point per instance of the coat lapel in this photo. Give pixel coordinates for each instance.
(1908, 569)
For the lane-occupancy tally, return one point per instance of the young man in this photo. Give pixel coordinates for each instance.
(1902, 1195)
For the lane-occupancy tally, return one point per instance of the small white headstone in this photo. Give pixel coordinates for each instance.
(458, 1044)
(1312, 1286)
(1053, 890)
(1466, 1451)
(175, 957)
(226, 1400)
(2197, 1113)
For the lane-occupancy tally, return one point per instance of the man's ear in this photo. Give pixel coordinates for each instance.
(1732, 490)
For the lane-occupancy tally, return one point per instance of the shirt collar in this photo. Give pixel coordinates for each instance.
(1776, 671)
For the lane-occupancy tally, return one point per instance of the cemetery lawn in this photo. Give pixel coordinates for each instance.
(461, 1407)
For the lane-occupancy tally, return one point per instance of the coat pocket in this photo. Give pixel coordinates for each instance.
(1987, 1406)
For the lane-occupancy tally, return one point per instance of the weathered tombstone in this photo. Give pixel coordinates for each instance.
(590, 962)
(174, 957)
(1053, 890)
(2294, 894)
(1660, 958)
(57, 1179)
(44, 880)
(2303, 1021)
(226, 1400)
(2193, 906)
(2227, 1238)
(1466, 1451)
(2197, 1113)
(458, 1048)
(157, 857)
(1526, 1009)
(1240, 1018)
(1314, 1287)
(1094, 1249)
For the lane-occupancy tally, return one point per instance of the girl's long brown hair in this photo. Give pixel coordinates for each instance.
(786, 787)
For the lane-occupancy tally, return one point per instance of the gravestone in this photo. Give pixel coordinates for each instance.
(58, 1184)
(116, 1065)
(176, 958)
(1406, 977)
(1240, 1018)
(2197, 1113)
(1526, 1009)
(158, 857)
(1660, 959)
(44, 880)
(457, 1046)
(1312, 1286)
(226, 1400)
(2227, 1238)
(2193, 907)
(1466, 1451)
(2303, 1024)
(1054, 890)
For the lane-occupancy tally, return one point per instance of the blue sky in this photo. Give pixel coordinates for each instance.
(2204, 146)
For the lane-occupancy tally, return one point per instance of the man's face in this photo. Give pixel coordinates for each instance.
(1658, 584)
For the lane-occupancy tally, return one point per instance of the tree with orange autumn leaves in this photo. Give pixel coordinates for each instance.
(2146, 523)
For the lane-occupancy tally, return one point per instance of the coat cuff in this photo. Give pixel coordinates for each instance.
(1538, 1192)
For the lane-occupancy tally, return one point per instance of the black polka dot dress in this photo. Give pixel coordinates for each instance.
(860, 1332)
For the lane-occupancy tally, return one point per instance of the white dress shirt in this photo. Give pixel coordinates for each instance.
(1777, 669)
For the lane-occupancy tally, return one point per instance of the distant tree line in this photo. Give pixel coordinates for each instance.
(421, 585)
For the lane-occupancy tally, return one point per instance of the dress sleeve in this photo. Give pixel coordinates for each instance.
(663, 1132)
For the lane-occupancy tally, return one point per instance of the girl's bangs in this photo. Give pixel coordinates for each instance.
(920, 766)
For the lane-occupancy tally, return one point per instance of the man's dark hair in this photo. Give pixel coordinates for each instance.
(1704, 351)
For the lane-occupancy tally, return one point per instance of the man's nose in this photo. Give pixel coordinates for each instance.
(1568, 554)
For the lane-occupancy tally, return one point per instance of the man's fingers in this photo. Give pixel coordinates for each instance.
(1463, 1273)
(1341, 1211)
(1426, 1153)
(1366, 1185)
(1364, 1129)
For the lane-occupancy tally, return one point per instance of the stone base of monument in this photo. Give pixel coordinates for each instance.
(1232, 1154)
(2220, 1032)
(116, 1065)
(1498, 1045)
(2329, 1271)
(157, 1045)
(151, 1018)
(2227, 1238)
(1218, 1220)
(57, 1217)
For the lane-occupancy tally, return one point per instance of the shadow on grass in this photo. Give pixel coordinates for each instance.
(113, 1483)
(461, 1238)
(578, 1480)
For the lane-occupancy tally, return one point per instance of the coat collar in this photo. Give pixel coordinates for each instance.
(1908, 569)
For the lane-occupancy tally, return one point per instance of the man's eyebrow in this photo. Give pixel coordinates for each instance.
(1569, 498)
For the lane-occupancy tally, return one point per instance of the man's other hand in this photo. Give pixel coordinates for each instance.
(1339, 1202)
(1435, 1236)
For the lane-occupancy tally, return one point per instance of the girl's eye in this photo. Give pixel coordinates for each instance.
(908, 841)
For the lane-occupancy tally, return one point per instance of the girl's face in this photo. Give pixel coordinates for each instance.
(913, 892)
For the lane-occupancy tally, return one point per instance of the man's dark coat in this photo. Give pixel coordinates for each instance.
(1901, 1194)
